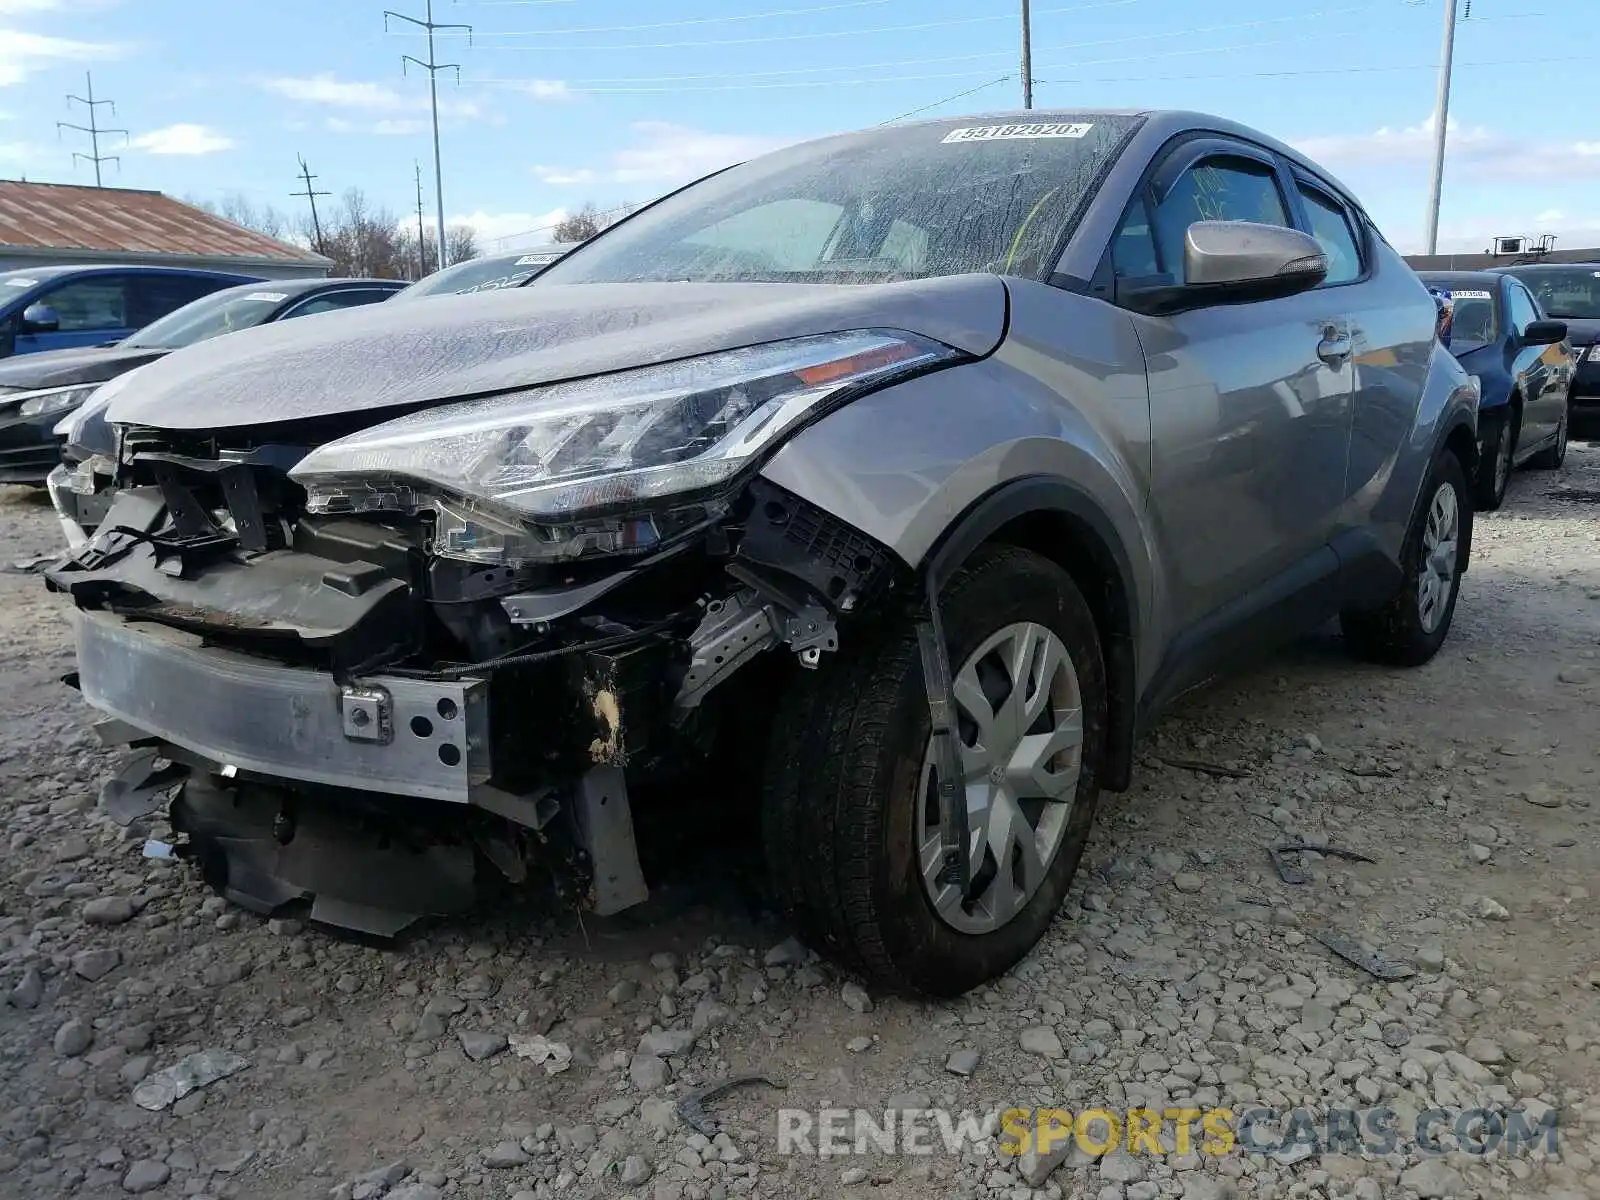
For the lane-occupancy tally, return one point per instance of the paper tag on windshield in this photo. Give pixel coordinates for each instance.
(1001, 133)
(1470, 296)
(269, 297)
(536, 260)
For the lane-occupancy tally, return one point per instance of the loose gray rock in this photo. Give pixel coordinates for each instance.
(416, 1191)
(479, 1046)
(855, 997)
(666, 1043)
(1041, 1040)
(505, 1155)
(962, 1062)
(647, 1072)
(1431, 958)
(635, 1170)
(73, 1038)
(1491, 909)
(95, 964)
(1188, 882)
(786, 953)
(29, 990)
(851, 1176)
(1121, 1167)
(1433, 1179)
(108, 910)
(146, 1175)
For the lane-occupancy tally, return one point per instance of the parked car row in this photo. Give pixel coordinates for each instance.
(908, 473)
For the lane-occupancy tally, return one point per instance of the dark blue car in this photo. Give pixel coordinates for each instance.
(1524, 369)
(1570, 292)
(59, 308)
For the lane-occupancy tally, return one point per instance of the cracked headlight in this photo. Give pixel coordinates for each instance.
(525, 472)
(52, 400)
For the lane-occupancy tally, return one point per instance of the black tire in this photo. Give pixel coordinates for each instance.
(1552, 457)
(844, 771)
(1494, 465)
(1394, 634)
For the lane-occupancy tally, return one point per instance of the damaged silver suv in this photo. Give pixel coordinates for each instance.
(922, 466)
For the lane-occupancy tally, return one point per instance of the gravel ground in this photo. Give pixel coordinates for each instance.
(1182, 970)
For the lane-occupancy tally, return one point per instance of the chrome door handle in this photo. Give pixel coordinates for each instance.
(1335, 347)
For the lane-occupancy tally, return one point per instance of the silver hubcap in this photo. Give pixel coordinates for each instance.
(1438, 572)
(1020, 725)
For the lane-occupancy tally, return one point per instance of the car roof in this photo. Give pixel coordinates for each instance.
(1488, 280)
(1535, 268)
(52, 272)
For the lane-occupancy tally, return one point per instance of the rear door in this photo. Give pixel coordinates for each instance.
(153, 295)
(1249, 403)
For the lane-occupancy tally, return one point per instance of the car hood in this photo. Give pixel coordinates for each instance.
(62, 368)
(387, 356)
(1581, 331)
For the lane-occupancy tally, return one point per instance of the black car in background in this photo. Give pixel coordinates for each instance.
(38, 390)
(489, 273)
(1570, 292)
(1524, 371)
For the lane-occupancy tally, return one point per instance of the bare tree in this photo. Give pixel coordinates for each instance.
(460, 244)
(238, 208)
(588, 221)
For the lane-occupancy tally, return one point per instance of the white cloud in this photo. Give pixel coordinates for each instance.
(365, 96)
(665, 153)
(23, 53)
(12, 7)
(511, 230)
(547, 89)
(1488, 153)
(183, 139)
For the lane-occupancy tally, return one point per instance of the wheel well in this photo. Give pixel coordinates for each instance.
(1075, 547)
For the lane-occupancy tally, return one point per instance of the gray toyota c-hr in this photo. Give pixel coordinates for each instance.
(891, 483)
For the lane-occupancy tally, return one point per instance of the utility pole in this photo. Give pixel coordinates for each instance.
(432, 67)
(1441, 116)
(92, 128)
(311, 194)
(422, 238)
(1027, 57)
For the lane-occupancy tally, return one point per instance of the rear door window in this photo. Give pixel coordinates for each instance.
(151, 297)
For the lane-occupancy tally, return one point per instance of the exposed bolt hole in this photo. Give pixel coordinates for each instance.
(836, 587)
(449, 755)
(422, 727)
(447, 709)
(776, 513)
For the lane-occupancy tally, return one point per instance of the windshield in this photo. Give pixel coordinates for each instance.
(1571, 292)
(912, 202)
(480, 275)
(220, 312)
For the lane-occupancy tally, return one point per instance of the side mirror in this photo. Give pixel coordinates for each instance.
(1237, 262)
(40, 318)
(1544, 333)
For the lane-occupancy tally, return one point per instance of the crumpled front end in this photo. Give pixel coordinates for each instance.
(370, 713)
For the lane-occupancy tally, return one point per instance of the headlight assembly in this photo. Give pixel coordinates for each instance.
(551, 471)
(52, 400)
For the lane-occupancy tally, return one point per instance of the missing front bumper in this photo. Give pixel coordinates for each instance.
(287, 722)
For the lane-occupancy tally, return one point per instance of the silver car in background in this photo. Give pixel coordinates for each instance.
(889, 484)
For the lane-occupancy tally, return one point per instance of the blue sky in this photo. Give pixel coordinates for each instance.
(562, 102)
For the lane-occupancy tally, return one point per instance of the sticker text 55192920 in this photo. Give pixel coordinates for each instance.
(997, 133)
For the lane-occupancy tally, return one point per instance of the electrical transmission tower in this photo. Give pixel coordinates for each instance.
(432, 67)
(92, 129)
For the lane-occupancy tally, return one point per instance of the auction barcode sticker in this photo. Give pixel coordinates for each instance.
(998, 133)
(1470, 296)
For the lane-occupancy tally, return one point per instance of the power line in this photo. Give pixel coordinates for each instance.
(311, 195)
(937, 103)
(816, 34)
(432, 67)
(683, 22)
(92, 128)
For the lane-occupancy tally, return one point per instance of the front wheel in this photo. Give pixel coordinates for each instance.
(851, 813)
(1410, 627)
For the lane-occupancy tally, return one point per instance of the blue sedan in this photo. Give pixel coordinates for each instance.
(1524, 369)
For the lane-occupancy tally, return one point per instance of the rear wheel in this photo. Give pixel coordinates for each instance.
(1494, 465)
(1410, 627)
(1553, 456)
(850, 813)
